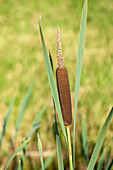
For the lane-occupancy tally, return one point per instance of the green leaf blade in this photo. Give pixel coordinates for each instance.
(6, 121)
(34, 128)
(40, 151)
(23, 108)
(84, 140)
(111, 165)
(99, 142)
(99, 167)
(59, 151)
(39, 115)
(108, 160)
(20, 167)
(18, 149)
(80, 54)
(52, 82)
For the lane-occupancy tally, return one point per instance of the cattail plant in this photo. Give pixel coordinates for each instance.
(64, 93)
(63, 85)
(63, 109)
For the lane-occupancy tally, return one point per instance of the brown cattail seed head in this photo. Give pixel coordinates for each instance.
(63, 85)
(64, 95)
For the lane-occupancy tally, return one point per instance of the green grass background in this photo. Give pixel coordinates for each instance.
(21, 59)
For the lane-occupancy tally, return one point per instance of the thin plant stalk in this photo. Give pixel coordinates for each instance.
(69, 147)
(64, 94)
(59, 152)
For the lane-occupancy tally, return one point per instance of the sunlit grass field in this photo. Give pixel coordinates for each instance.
(21, 60)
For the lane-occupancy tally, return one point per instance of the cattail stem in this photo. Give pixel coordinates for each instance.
(69, 147)
(64, 94)
(63, 84)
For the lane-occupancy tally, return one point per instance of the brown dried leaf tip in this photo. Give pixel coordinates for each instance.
(63, 85)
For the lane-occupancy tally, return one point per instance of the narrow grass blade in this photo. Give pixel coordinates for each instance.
(52, 82)
(111, 165)
(59, 152)
(35, 127)
(40, 151)
(84, 140)
(49, 160)
(80, 54)
(24, 105)
(18, 149)
(99, 142)
(99, 167)
(108, 160)
(21, 161)
(51, 61)
(20, 167)
(6, 121)
(39, 115)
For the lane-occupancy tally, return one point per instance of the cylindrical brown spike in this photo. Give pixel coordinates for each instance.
(64, 94)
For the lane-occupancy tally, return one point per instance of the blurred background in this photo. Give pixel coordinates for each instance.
(21, 60)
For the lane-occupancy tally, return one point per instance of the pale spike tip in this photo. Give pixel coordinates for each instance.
(59, 50)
